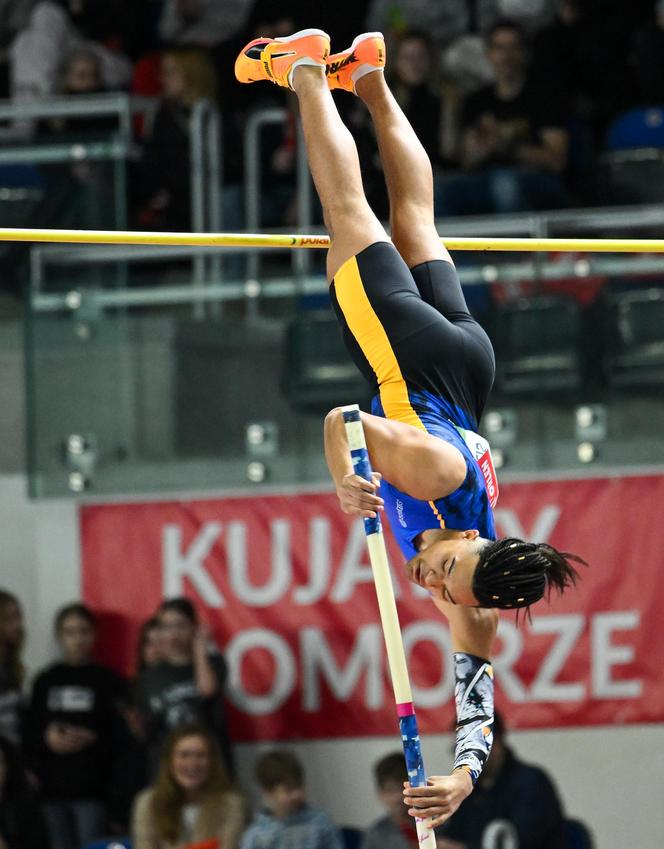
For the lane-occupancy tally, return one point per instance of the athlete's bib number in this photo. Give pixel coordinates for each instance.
(481, 451)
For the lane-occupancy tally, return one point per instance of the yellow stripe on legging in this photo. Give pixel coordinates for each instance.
(370, 335)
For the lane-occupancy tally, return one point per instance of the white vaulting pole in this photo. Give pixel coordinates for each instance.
(389, 617)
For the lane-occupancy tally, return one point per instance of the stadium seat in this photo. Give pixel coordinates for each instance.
(632, 166)
(637, 128)
(537, 346)
(318, 373)
(633, 337)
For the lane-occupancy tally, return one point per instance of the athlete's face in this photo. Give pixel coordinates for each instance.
(446, 568)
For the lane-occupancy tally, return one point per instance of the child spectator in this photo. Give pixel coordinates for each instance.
(187, 76)
(22, 824)
(11, 667)
(395, 830)
(287, 821)
(192, 800)
(186, 686)
(514, 138)
(73, 720)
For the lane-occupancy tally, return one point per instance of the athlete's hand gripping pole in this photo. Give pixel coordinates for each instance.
(396, 656)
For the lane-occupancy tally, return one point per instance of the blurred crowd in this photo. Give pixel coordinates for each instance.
(87, 757)
(512, 99)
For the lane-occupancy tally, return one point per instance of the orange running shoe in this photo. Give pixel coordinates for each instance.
(275, 59)
(366, 54)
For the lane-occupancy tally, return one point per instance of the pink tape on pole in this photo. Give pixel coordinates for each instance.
(405, 709)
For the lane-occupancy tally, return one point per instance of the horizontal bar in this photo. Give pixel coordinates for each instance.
(59, 153)
(73, 106)
(260, 240)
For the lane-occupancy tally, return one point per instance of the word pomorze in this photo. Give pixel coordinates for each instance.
(307, 666)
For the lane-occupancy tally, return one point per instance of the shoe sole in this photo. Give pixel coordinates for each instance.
(303, 33)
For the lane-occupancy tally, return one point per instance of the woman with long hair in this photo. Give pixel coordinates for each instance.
(192, 800)
(12, 672)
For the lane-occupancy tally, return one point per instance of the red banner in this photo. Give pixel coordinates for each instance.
(286, 585)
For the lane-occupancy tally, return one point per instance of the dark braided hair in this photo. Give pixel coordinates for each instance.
(512, 573)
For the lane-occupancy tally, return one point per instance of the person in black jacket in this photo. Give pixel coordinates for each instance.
(508, 789)
(22, 824)
(74, 718)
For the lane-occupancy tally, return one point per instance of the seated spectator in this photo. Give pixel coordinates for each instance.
(202, 23)
(287, 821)
(514, 139)
(395, 830)
(186, 686)
(39, 50)
(72, 726)
(22, 824)
(648, 58)
(187, 76)
(192, 800)
(11, 667)
(508, 789)
(81, 75)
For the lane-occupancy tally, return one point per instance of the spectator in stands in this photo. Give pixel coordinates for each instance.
(514, 138)
(202, 23)
(511, 790)
(187, 76)
(38, 52)
(149, 651)
(11, 667)
(287, 821)
(22, 824)
(396, 829)
(14, 16)
(186, 686)
(192, 800)
(648, 57)
(73, 723)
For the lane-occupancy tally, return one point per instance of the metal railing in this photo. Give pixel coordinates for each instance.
(253, 169)
(205, 142)
(250, 290)
(205, 151)
(117, 148)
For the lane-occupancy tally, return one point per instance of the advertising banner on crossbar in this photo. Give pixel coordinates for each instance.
(285, 583)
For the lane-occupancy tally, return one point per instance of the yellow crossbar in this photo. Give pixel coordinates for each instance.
(261, 240)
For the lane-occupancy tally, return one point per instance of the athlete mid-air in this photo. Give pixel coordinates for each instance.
(407, 327)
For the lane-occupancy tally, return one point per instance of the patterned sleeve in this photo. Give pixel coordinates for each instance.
(474, 704)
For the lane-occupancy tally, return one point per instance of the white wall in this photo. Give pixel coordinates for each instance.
(612, 778)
